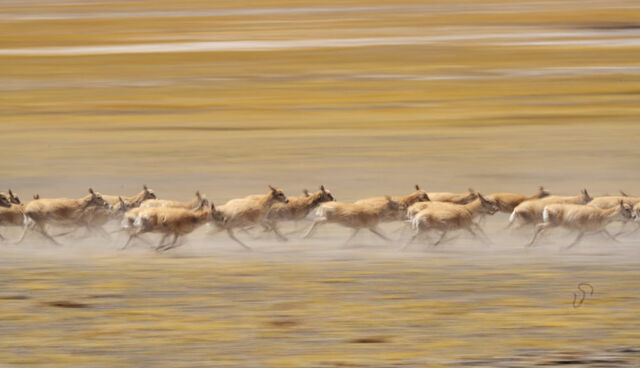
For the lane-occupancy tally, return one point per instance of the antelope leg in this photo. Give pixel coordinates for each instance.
(444, 233)
(576, 241)
(353, 235)
(377, 231)
(233, 237)
(315, 224)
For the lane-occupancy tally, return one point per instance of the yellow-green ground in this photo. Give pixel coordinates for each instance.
(366, 97)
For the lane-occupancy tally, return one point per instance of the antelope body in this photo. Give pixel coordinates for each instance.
(583, 219)
(381, 203)
(530, 212)
(170, 221)
(296, 209)
(250, 210)
(356, 216)
(457, 198)
(446, 217)
(507, 202)
(193, 204)
(59, 211)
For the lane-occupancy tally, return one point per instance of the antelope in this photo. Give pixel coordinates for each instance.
(8, 212)
(508, 201)
(607, 202)
(194, 203)
(583, 219)
(296, 209)
(5, 201)
(356, 216)
(134, 200)
(530, 212)
(250, 210)
(447, 217)
(14, 214)
(58, 211)
(456, 198)
(381, 203)
(12, 198)
(171, 221)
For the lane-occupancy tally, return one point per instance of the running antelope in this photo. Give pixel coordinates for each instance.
(193, 204)
(381, 204)
(356, 216)
(530, 212)
(58, 211)
(583, 219)
(170, 221)
(508, 201)
(446, 217)
(296, 209)
(247, 211)
(457, 198)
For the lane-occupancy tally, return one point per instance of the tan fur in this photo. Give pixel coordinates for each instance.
(530, 212)
(458, 198)
(194, 203)
(580, 218)
(418, 196)
(364, 215)
(134, 200)
(59, 211)
(508, 201)
(250, 210)
(612, 201)
(446, 217)
(170, 221)
(5, 201)
(296, 209)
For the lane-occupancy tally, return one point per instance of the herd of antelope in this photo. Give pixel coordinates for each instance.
(424, 212)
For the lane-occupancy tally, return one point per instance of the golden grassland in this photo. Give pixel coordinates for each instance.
(436, 310)
(126, 113)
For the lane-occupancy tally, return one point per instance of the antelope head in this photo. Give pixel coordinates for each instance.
(488, 206)
(585, 197)
(4, 201)
(394, 205)
(148, 193)
(278, 195)
(217, 216)
(326, 195)
(421, 195)
(627, 212)
(97, 200)
(13, 198)
(542, 193)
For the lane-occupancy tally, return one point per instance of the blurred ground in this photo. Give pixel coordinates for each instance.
(367, 98)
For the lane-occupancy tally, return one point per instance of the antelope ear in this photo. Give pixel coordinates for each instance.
(91, 191)
(122, 204)
(198, 195)
(322, 188)
(305, 192)
(272, 188)
(621, 192)
(541, 188)
(417, 187)
(36, 196)
(11, 193)
(213, 206)
(144, 186)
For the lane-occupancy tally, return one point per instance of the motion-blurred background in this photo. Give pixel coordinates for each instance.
(360, 95)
